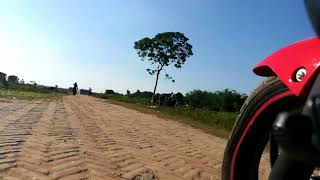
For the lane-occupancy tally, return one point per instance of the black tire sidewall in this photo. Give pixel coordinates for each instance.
(251, 148)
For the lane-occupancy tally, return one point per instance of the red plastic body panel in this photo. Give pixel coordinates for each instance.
(285, 63)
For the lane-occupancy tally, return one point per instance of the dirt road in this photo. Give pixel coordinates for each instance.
(86, 138)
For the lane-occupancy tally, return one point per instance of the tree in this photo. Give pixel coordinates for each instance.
(12, 79)
(227, 100)
(137, 93)
(109, 92)
(3, 78)
(128, 93)
(178, 98)
(163, 50)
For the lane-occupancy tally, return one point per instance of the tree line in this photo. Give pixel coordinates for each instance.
(13, 82)
(228, 100)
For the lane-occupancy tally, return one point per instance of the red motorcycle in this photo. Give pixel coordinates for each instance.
(283, 113)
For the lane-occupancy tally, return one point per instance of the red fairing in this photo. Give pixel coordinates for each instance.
(287, 61)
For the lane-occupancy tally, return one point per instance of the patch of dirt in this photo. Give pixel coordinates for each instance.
(148, 175)
(3, 100)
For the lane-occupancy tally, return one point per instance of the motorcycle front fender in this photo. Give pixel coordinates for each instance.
(286, 62)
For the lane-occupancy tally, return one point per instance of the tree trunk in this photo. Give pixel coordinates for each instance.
(155, 86)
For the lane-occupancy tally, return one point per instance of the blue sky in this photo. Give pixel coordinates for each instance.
(91, 42)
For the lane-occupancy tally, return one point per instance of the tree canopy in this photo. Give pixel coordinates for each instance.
(163, 50)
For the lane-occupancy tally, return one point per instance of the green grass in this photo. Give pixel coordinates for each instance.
(133, 100)
(220, 120)
(23, 95)
(216, 123)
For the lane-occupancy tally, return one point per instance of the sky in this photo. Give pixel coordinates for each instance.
(59, 42)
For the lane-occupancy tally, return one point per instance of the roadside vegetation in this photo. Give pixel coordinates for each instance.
(13, 88)
(25, 95)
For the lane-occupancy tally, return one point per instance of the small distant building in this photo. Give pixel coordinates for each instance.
(3, 78)
(84, 91)
(12, 79)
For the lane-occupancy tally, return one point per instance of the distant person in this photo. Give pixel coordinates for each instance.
(90, 91)
(75, 88)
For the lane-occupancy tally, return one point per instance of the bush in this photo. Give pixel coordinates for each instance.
(227, 100)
